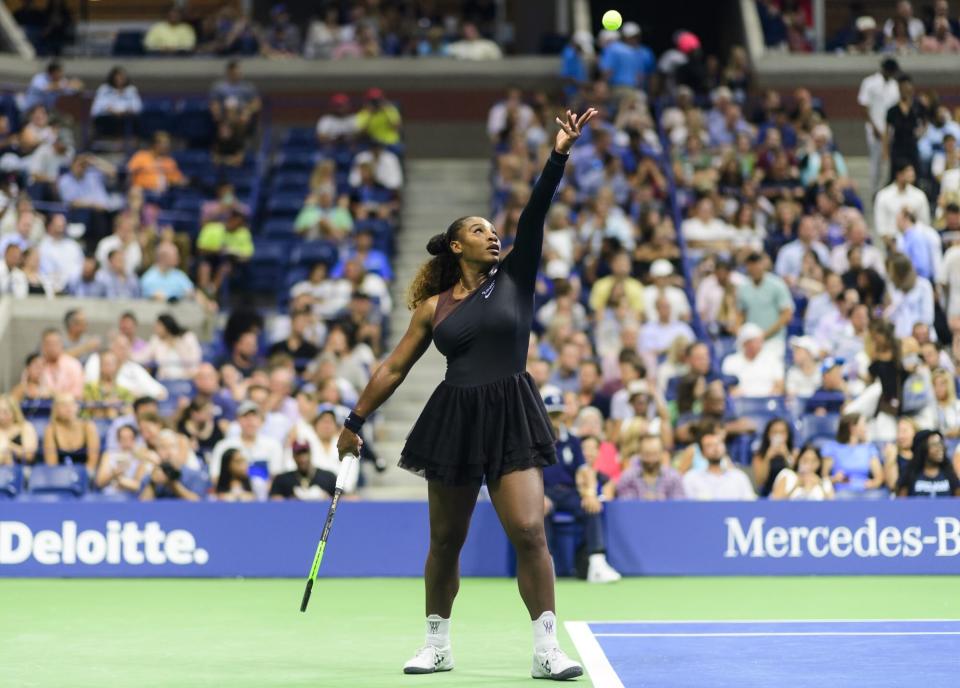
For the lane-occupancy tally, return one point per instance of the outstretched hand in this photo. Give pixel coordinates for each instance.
(571, 128)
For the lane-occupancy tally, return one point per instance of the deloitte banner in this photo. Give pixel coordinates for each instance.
(390, 539)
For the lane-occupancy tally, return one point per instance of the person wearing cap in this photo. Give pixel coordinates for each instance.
(625, 64)
(234, 98)
(570, 485)
(662, 276)
(222, 246)
(639, 396)
(386, 167)
(264, 454)
(319, 432)
(832, 394)
(379, 119)
(878, 93)
(339, 124)
(574, 62)
(306, 482)
(757, 368)
(764, 299)
(803, 376)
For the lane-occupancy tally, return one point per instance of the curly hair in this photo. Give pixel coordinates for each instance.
(440, 272)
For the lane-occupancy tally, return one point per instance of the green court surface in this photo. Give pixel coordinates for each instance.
(358, 633)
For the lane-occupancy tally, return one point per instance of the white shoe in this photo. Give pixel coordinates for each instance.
(430, 659)
(600, 571)
(555, 665)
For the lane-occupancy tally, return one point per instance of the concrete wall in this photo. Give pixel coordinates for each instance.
(23, 320)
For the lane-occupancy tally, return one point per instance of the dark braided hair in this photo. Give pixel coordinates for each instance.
(440, 272)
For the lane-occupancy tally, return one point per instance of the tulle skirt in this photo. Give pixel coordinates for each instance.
(466, 435)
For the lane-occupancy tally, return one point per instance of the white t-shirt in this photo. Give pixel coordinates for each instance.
(264, 449)
(818, 493)
(878, 95)
(676, 297)
(949, 277)
(758, 377)
(132, 255)
(799, 384)
(695, 229)
(890, 201)
(386, 169)
(729, 486)
(333, 126)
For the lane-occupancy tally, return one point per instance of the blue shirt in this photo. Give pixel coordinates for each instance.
(89, 189)
(569, 460)
(917, 249)
(117, 286)
(627, 65)
(572, 67)
(376, 261)
(853, 460)
(174, 284)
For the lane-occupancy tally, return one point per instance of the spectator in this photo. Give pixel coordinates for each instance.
(898, 454)
(172, 350)
(104, 398)
(22, 220)
(791, 255)
(807, 482)
(233, 485)
(576, 59)
(920, 243)
(625, 64)
(165, 281)
(948, 406)
(47, 86)
(115, 279)
(758, 369)
(339, 125)
(198, 425)
(776, 454)
(222, 247)
(29, 280)
(632, 289)
(18, 438)
(852, 462)
(206, 383)
(648, 477)
(716, 298)
(265, 454)
(244, 355)
(12, 258)
(386, 167)
(124, 239)
(282, 36)
(32, 386)
(914, 27)
(127, 325)
(152, 169)
(296, 345)
(879, 92)
(166, 478)
(719, 480)
(306, 482)
(116, 103)
(473, 46)
(131, 375)
(803, 377)
(659, 335)
(379, 119)
(77, 340)
(661, 274)
(856, 237)
(911, 298)
(229, 145)
(323, 218)
(571, 486)
(122, 470)
(172, 35)
(61, 255)
(705, 231)
(900, 194)
(61, 373)
(68, 439)
(764, 299)
(904, 123)
(324, 34)
(235, 100)
(930, 473)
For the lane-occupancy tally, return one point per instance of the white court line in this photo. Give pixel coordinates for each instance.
(642, 622)
(595, 661)
(746, 634)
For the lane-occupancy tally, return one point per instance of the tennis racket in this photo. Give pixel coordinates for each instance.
(347, 467)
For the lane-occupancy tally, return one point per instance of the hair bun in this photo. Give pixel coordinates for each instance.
(437, 244)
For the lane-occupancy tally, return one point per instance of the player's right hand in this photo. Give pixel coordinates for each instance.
(349, 443)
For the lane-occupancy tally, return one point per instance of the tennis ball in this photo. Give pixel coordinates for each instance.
(611, 20)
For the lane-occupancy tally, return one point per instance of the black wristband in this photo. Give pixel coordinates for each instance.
(354, 422)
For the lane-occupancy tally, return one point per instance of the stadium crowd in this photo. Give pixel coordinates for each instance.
(716, 318)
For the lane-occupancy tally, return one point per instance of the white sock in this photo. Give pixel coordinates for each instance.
(438, 631)
(545, 632)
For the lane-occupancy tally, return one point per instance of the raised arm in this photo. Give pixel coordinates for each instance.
(524, 259)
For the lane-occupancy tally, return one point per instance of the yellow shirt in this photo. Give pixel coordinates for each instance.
(164, 36)
(381, 125)
(632, 288)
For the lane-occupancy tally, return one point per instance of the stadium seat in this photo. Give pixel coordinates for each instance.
(195, 481)
(157, 115)
(818, 429)
(566, 538)
(312, 252)
(61, 481)
(832, 402)
(278, 228)
(295, 160)
(284, 205)
(194, 123)
(128, 44)
(11, 481)
(761, 410)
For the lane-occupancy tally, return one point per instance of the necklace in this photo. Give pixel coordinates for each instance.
(464, 286)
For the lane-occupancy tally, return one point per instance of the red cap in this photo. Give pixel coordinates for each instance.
(687, 42)
(299, 447)
(374, 94)
(339, 99)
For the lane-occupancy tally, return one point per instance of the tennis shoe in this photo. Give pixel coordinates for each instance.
(430, 659)
(600, 571)
(554, 665)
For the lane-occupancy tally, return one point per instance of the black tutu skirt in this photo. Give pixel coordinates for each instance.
(466, 435)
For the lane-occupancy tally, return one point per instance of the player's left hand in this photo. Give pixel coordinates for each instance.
(571, 128)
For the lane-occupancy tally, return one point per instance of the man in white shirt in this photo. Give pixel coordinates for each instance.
(757, 368)
(386, 167)
(704, 230)
(124, 238)
(661, 271)
(497, 119)
(61, 255)
(339, 124)
(878, 93)
(720, 480)
(790, 258)
(892, 198)
(131, 376)
(264, 454)
(857, 233)
(915, 27)
(948, 278)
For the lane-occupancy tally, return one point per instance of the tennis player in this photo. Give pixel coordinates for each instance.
(486, 421)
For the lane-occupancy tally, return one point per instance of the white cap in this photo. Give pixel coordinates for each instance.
(557, 269)
(638, 387)
(806, 343)
(661, 267)
(747, 332)
(607, 36)
(630, 29)
(585, 40)
(866, 23)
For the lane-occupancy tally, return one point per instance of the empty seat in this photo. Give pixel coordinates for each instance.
(11, 481)
(63, 481)
(818, 429)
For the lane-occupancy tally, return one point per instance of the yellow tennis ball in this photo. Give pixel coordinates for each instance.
(611, 20)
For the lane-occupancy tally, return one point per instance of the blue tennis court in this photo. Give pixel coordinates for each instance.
(794, 654)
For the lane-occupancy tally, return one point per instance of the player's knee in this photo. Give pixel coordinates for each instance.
(447, 541)
(528, 536)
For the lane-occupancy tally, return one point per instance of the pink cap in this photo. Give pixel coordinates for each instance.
(687, 42)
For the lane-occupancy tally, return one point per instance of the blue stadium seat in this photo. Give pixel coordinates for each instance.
(818, 429)
(300, 137)
(195, 481)
(62, 481)
(194, 123)
(157, 115)
(128, 44)
(277, 228)
(11, 481)
(568, 534)
(291, 182)
(761, 410)
(296, 160)
(176, 389)
(723, 347)
(265, 271)
(284, 205)
(312, 252)
(832, 402)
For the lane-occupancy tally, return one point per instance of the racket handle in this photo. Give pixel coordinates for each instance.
(306, 595)
(347, 468)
